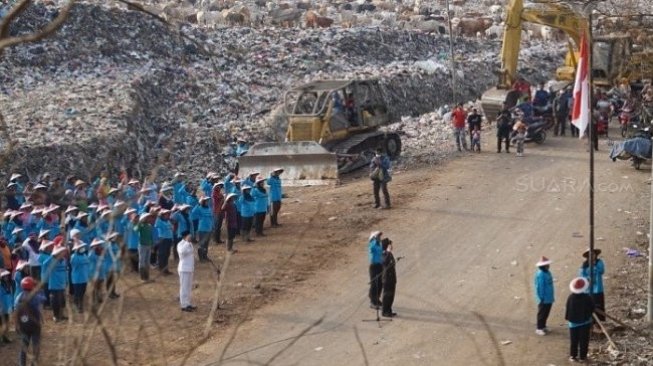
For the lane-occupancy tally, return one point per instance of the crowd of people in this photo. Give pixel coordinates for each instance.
(586, 299)
(71, 237)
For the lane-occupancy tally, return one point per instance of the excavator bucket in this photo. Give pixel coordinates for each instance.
(492, 101)
(304, 162)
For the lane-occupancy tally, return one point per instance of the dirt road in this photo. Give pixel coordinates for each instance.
(470, 236)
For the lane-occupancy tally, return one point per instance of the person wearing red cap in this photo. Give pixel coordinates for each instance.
(578, 313)
(29, 319)
(543, 294)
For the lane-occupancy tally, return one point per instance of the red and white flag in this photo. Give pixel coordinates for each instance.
(580, 113)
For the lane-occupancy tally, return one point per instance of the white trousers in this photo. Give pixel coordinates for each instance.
(185, 287)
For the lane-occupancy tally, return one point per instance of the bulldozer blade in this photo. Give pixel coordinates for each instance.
(303, 162)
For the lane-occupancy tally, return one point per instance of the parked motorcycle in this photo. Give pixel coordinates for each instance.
(627, 117)
(537, 126)
(636, 149)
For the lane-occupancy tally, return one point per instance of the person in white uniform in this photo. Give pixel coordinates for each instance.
(186, 268)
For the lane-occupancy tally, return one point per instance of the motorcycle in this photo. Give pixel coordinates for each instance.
(537, 126)
(627, 117)
(636, 149)
(546, 113)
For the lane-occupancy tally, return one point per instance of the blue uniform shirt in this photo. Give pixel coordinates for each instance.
(276, 192)
(375, 251)
(80, 268)
(163, 228)
(204, 215)
(261, 199)
(597, 282)
(543, 287)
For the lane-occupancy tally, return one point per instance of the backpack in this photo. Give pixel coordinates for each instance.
(27, 321)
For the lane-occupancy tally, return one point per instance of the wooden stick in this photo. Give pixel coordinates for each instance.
(604, 331)
(600, 312)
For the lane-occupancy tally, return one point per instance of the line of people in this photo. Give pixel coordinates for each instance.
(581, 304)
(53, 244)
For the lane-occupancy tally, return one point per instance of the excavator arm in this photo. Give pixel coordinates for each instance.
(557, 16)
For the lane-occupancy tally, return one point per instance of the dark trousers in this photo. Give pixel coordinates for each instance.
(274, 215)
(388, 297)
(112, 277)
(543, 311)
(175, 241)
(163, 253)
(231, 235)
(503, 138)
(133, 259)
(203, 248)
(247, 225)
(580, 340)
(57, 303)
(35, 340)
(381, 186)
(573, 129)
(46, 292)
(153, 255)
(79, 290)
(217, 224)
(561, 125)
(35, 272)
(599, 303)
(259, 220)
(375, 283)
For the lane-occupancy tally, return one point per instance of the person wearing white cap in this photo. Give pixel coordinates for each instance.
(56, 267)
(98, 270)
(206, 184)
(22, 271)
(231, 220)
(113, 262)
(375, 255)
(217, 200)
(80, 272)
(261, 205)
(165, 196)
(204, 228)
(20, 196)
(247, 205)
(6, 303)
(251, 179)
(242, 147)
(185, 268)
(380, 176)
(179, 192)
(598, 292)
(165, 237)
(130, 237)
(544, 297)
(12, 197)
(44, 257)
(578, 313)
(31, 248)
(276, 195)
(145, 231)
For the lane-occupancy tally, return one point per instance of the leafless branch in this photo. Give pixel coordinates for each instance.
(13, 13)
(37, 36)
(107, 338)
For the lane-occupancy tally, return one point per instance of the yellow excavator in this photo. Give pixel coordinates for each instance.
(333, 128)
(610, 56)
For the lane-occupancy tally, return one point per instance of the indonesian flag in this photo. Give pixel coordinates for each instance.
(580, 113)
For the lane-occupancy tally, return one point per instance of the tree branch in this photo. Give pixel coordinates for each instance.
(13, 13)
(37, 36)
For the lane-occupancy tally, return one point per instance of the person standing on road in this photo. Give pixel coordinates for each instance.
(504, 127)
(28, 319)
(276, 194)
(186, 268)
(163, 227)
(80, 272)
(146, 240)
(231, 220)
(375, 255)
(261, 205)
(388, 278)
(458, 117)
(520, 136)
(56, 267)
(597, 293)
(578, 313)
(380, 176)
(247, 205)
(217, 198)
(543, 294)
(561, 109)
(473, 123)
(204, 227)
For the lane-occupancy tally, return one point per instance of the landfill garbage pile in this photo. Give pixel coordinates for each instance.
(116, 89)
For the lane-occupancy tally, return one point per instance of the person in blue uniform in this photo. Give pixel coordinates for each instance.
(6, 303)
(204, 228)
(247, 205)
(80, 273)
(56, 267)
(544, 294)
(276, 195)
(261, 205)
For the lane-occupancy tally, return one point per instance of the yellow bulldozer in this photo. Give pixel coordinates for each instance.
(333, 128)
(611, 56)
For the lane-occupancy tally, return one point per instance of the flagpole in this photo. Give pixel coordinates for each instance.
(590, 79)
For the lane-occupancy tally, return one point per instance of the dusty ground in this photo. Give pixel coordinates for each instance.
(470, 231)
